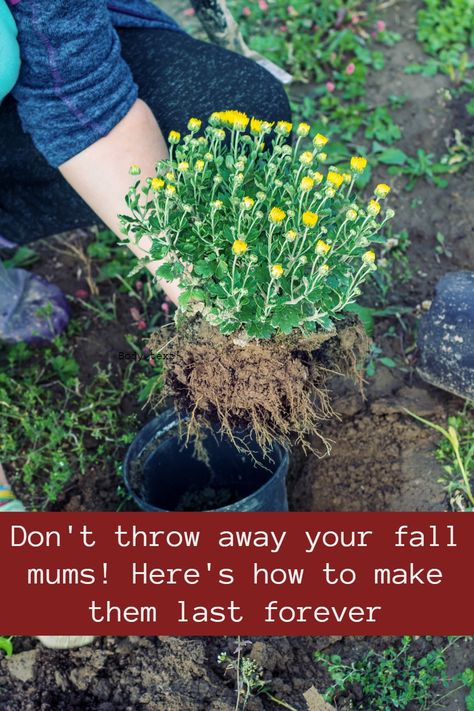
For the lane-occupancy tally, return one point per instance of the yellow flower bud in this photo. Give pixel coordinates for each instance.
(247, 202)
(322, 156)
(283, 128)
(276, 215)
(306, 184)
(382, 190)
(199, 166)
(351, 214)
(369, 257)
(373, 208)
(170, 176)
(319, 140)
(306, 158)
(217, 204)
(310, 219)
(291, 235)
(174, 137)
(239, 247)
(303, 129)
(170, 190)
(358, 164)
(183, 167)
(317, 177)
(134, 170)
(323, 269)
(194, 124)
(322, 247)
(335, 179)
(277, 271)
(157, 183)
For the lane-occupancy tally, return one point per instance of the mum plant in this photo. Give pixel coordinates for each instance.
(269, 247)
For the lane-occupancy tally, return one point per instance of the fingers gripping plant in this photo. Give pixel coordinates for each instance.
(268, 248)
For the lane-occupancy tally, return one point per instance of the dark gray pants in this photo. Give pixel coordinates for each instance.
(178, 77)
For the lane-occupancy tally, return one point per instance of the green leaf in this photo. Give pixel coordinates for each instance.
(469, 701)
(204, 268)
(259, 330)
(467, 677)
(470, 107)
(286, 318)
(366, 315)
(6, 646)
(392, 156)
(388, 362)
(166, 272)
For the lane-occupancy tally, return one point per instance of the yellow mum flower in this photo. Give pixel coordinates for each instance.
(382, 190)
(306, 158)
(322, 247)
(319, 140)
(194, 124)
(358, 163)
(170, 190)
(239, 247)
(335, 179)
(318, 177)
(174, 137)
(217, 204)
(277, 271)
(306, 183)
(183, 167)
(157, 183)
(199, 166)
(291, 235)
(310, 219)
(369, 257)
(232, 119)
(303, 129)
(247, 202)
(373, 208)
(283, 128)
(276, 215)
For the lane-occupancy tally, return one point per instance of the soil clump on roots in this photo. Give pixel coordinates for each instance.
(275, 390)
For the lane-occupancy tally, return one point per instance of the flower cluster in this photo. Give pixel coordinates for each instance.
(262, 236)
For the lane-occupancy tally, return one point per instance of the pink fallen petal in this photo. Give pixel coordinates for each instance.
(350, 69)
(138, 285)
(263, 5)
(189, 11)
(355, 19)
(380, 26)
(81, 294)
(165, 307)
(330, 86)
(246, 11)
(135, 313)
(291, 10)
(151, 361)
(283, 28)
(141, 325)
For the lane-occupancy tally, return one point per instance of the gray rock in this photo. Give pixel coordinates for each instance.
(446, 336)
(22, 665)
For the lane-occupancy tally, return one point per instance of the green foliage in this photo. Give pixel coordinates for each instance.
(6, 645)
(392, 679)
(446, 29)
(260, 241)
(53, 427)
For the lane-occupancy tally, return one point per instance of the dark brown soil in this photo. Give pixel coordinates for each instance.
(381, 459)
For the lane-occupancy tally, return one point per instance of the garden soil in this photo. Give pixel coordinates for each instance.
(381, 459)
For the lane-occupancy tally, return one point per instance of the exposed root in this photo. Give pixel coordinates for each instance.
(274, 390)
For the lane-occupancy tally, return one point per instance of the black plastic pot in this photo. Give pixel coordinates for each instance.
(162, 474)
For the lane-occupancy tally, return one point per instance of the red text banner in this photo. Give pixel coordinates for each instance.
(228, 574)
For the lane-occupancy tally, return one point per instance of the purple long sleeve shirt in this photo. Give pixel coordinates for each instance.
(74, 85)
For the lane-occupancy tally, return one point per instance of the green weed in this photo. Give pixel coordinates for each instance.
(394, 678)
(456, 452)
(445, 28)
(6, 645)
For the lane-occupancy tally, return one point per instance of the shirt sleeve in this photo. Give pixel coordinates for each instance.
(74, 85)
